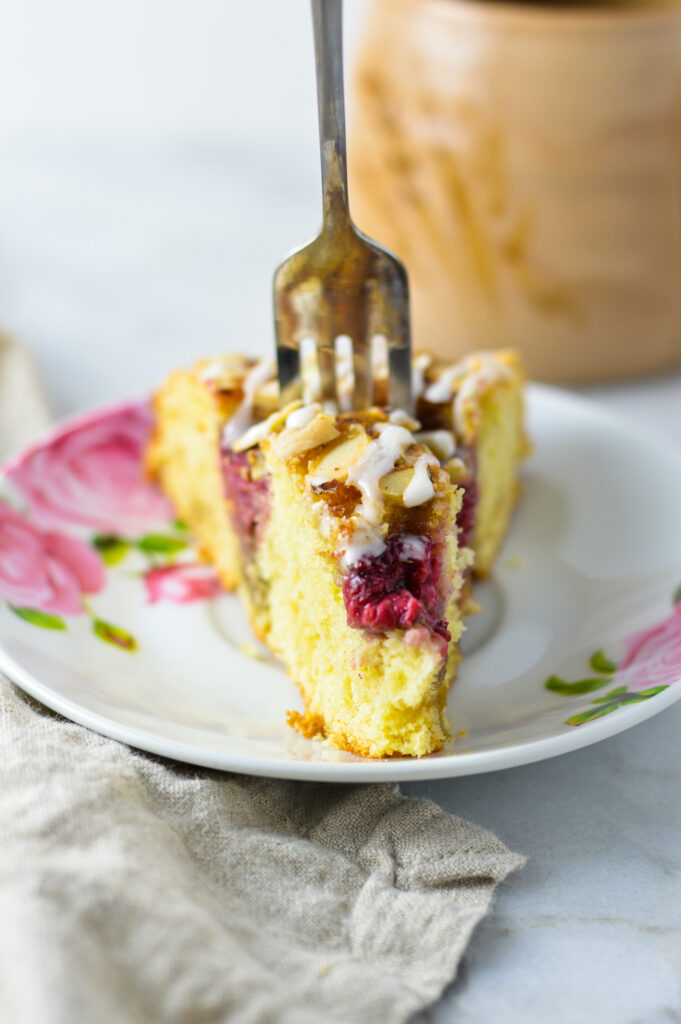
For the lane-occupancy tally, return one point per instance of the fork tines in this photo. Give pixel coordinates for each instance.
(345, 347)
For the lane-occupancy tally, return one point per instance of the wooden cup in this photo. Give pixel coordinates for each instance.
(525, 163)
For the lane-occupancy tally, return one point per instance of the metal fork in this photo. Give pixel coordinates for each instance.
(342, 284)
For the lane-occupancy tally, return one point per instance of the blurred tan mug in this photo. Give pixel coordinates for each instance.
(525, 163)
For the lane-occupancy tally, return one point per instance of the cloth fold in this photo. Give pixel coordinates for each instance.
(136, 890)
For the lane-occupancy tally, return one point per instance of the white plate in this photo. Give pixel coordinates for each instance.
(592, 564)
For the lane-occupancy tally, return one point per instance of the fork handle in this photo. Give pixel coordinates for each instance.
(327, 17)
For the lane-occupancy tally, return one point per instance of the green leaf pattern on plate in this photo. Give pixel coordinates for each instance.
(114, 635)
(599, 663)
(558, 685)
(653, 655)
(161, 544)
(37, 618)
(112, 549)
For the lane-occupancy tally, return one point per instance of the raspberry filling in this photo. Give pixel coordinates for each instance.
(398, 588)
(465, 520)
(250, 498)
(466, 517)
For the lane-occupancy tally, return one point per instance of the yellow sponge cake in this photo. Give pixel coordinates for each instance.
(347, 535)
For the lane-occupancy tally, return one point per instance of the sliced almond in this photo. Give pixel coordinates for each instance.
(294, 442)
(457, 469)
(279, 417)
(267, 396)
(336, 463)
(225, 374)
(394, 484)
(440, 442)
(255, 434)
(403, 419)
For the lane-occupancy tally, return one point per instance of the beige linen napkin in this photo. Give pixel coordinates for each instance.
(134, 889)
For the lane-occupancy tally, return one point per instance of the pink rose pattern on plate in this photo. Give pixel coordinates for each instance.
(653, 656)
(90, 476)
(43, 570)
(181, 583)
(651, 663)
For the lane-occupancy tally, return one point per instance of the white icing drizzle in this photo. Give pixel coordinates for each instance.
(243, 417)
(212, 372)
(316, 481)
(441, 389)
(464, 409)
(476, 372)
(420, 488)
(412, 549)
(300, 418)
(254, 435)
(365, 542)
(378, 459)
(403, 419)
(297, 419)
(465, 382)
(418, 370)
(345, 375)
(441, 441)
(397, 434)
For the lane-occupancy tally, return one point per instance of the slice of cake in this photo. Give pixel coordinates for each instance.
(479, 400)
(343, 534)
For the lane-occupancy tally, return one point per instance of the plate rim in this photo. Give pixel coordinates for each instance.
(437, 766)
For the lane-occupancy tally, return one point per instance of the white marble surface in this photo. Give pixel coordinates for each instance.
(115, 264)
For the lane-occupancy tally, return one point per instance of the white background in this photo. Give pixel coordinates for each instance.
(160, 71)
(157, 159)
